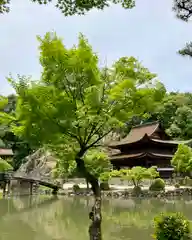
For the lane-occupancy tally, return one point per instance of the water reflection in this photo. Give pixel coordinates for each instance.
(48, 218)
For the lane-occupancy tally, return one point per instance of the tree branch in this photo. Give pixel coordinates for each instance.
(98, 139)
(90, 133)
(183, 8)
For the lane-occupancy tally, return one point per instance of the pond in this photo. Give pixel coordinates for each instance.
(47, 218)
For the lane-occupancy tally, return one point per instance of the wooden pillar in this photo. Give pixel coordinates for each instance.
(31, 188)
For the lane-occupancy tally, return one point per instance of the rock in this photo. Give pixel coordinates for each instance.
(148, 194)
(38, 165)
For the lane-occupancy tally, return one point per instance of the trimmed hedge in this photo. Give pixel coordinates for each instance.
(157, 185)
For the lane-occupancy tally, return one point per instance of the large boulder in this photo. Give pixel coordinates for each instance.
(37, 166)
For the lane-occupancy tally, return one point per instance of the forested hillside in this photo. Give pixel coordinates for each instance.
(175, 114)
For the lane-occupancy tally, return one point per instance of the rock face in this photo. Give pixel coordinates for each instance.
(37, 166)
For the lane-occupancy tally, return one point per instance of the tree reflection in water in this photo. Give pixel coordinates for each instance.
(47, 218)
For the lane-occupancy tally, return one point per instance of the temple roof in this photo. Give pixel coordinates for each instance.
(139, 132)
(140, 155)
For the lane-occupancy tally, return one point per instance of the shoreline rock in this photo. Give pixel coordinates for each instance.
(125, 194)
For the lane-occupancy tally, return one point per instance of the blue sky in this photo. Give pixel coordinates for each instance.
(149, 32)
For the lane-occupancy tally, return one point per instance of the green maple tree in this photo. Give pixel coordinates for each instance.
(75, 104)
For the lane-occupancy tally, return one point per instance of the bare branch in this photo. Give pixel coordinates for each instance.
(98, 139)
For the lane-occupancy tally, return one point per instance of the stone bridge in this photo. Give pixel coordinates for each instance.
(30, 180)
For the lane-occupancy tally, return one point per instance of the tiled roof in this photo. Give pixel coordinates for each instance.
(137, 133)
(6, 152)
(123, 156)
(137, 155)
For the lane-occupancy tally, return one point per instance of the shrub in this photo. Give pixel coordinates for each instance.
(157, 185)
(5, 166)
(76, 188)
(171, 226)
(181, 181)
(104, 186)
(137, 190)
(177, 185)
(188, 181)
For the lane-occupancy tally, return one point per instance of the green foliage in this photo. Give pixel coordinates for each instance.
(75, 104)
(182, 160)
(55, 173)
(187, 50)
(171, 226)
(157, 185)
(3, 102)
(105, 176)
(173, 111)
(116, 173)
(20, 147)
(187, 181)
(98, 164)
(2, 144)
(79, 7)
(166, 111)
(181, 126)
(136, 174)
(65, 155)
(5, 166)
(137, 190)
(177, 185)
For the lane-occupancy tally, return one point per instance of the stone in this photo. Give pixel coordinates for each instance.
(38, 166)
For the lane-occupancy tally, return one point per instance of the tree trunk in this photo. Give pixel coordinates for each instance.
(96, 219)
(95, 214)
(87, 185)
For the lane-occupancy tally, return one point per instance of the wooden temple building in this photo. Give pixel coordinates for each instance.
(146, 145)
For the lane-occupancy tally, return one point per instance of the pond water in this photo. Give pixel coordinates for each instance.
(46, 218)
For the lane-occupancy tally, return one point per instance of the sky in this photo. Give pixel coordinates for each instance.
(150, 32)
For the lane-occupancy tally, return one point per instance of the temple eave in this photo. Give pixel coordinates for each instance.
(140, 155)
(159, 142)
